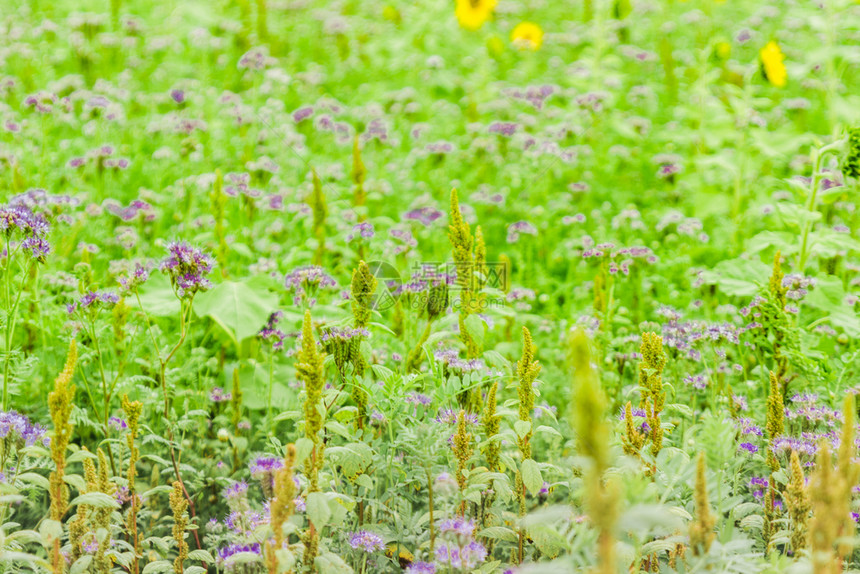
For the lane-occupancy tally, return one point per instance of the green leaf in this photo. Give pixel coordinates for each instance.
(240, 308)
(36, 479)
(201, 555)
(82, 565)
(475, 328)
(157, 297)
(304, 446)
(737, 277)
(96, 500)
(498, 533)
(547, 429)
(158, 566)
(532, 478)
(522, 428)
(50, 530)
(317, 509)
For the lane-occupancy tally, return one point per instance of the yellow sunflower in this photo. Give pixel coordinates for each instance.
(527, 36)
(771, 61)
(473, 13)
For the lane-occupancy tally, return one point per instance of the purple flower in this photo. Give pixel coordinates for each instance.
(18, 429)
(236, 490)
(364, 229)
(343, 334)
(458, 526)
(466, 557)
(304, 281)
(130, 282)
(178, 96)
(302, 113)
(418, 399)
(366, 541)
(117, 424)
(271, 334)
(217, 395)
(94, 301)
(224, 554)
(187, 267)
(262, 466)
(748, 447)
(503, 128)
(520, 227)
(450, 417)
(424, 215)
(31, 227)
(421, 568)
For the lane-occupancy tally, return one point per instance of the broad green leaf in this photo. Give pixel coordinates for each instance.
(522, 428)
(532, 478)
(240, 308)
(96, 500)
(317, 509)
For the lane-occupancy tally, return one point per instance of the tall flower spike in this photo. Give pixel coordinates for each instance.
(480, 257)
(851, 163)
(462, 446)
(775, 419)
(491, 429)
(633, 439)
(132, 411)
(218, 201)
(702, 527)
(461, 240)
(592, 435)
(282, 506)
(362, 289)
(60, 403)
(774, 284)
(309, 368)
(359, 172)
(320, 211)
(102, 562)
(651, 383)
(179, 505)
(527, 371)
(796, 498)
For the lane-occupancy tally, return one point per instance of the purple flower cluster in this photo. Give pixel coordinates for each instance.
(187, 267)
(224, 554)
(304, 281)
(364, 230)
(458, 526)
(135, 209)
(117, 424)
(271, 334)
(451, 359)
(423, 215)
(217, 395)
(31, 228)
(265, 466)
(418, 399)
(131, 281)
(343, 334)
(421, 568)
(94, 301)
(461, 557)
(518, 228)
(450, 417)
(366, 541)
(18, 429)
(236, 490)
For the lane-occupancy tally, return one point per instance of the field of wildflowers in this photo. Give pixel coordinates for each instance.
(438, 286)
